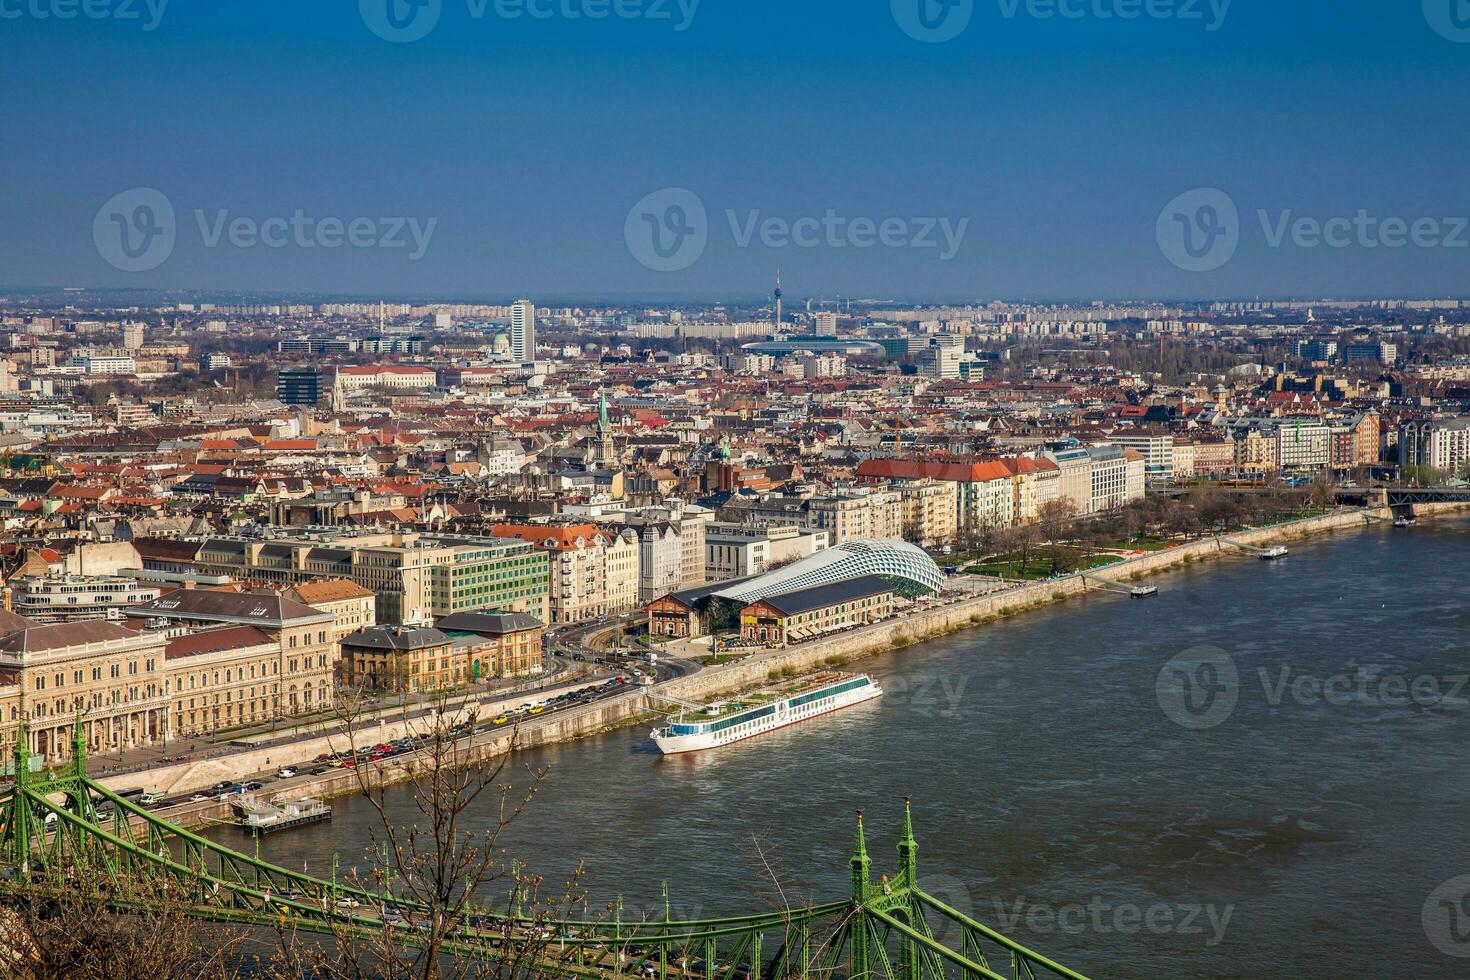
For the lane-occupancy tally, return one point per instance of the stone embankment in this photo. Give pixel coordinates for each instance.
(642, 704)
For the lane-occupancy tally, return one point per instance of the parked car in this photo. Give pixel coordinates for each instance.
(285, 772)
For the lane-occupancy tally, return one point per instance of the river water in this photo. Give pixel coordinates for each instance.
(1070, 790)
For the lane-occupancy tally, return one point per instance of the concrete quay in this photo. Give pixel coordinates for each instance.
(636, 704)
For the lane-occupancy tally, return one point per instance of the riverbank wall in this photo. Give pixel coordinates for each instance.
(642, 704)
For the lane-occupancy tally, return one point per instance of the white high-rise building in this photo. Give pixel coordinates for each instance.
(132, 335)
(523, 330)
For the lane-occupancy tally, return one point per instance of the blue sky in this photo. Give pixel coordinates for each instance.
(526, 141)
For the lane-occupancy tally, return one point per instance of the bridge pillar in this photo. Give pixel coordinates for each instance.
(858, 966)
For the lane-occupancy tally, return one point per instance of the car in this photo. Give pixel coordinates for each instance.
(324, 757)
(285, 772)
(199, 798)
(321, 770)
(536, 709)
(346, 902)
(336, 763)
(224, 786)
(500, 719)
(251, 787)
(150, 799)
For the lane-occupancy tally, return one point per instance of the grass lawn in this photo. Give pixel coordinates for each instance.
(1146, 543)
(1039, 566)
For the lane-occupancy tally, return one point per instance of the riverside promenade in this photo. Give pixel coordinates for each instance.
(957, 611)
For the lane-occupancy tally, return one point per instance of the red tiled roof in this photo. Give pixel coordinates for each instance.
(970, 471)
(212, 641)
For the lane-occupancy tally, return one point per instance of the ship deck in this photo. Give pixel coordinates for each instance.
(755, 699)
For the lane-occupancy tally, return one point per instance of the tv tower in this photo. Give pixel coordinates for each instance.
(777, 296)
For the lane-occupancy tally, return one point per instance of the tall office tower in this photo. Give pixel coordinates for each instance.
(523, 330)
(298, 386)
(825, 325)
(132, 335)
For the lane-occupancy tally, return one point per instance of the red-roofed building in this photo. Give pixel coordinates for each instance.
(594, 570)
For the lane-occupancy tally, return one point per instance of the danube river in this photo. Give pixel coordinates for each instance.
(1295, 814)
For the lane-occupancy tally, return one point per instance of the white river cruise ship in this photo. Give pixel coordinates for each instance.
(764, 711)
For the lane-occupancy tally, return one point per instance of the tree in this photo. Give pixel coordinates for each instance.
(78, 936)
(442, 868)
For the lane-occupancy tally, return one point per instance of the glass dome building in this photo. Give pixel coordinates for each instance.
(906, 567)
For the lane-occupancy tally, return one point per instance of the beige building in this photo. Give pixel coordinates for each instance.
(929, 510)
(874, 513)
(594, 570)
(303, 638)
(352, 606)
(110, 675)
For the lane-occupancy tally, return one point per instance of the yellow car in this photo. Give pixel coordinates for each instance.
(501, 720)
(538, 709)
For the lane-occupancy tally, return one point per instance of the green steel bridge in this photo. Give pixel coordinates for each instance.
(53, 843)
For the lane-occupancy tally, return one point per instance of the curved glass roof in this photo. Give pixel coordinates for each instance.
(849, 560)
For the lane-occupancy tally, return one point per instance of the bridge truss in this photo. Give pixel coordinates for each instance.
(53, 843)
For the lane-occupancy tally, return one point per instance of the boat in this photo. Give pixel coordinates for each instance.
(1404, 522)
(279, 814)
(1273, 552)
(1143, 591)
(759, 712)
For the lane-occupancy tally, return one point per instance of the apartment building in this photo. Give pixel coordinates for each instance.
(67, 598)
(858, 516)
(928, 510)
(1155, 445)
(416, 577)
(1442, 443)
(741, 550)
(1303, 444)
(594, 570)
(1035, 482)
